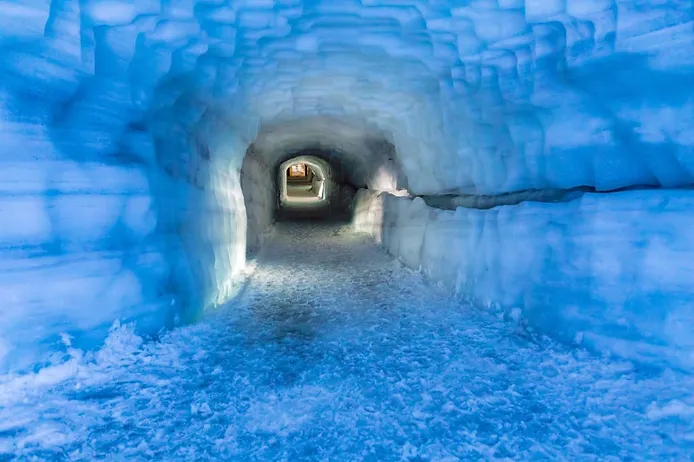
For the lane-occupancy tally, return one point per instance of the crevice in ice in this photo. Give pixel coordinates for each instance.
(485, 202)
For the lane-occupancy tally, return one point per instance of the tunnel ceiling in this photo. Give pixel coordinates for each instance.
(344, 168)
(355, 150)
(484, 96)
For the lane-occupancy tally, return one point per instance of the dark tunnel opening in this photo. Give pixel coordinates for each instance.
(324, 191)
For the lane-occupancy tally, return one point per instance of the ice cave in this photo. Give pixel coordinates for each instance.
(359, 230)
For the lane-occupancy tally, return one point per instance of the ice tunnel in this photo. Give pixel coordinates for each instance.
(129, 129)
(534, 157)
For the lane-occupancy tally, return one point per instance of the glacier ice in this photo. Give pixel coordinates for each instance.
(363, 361)
(129, 191)
(602, 271)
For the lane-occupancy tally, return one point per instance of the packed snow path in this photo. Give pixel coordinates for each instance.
(334, 351)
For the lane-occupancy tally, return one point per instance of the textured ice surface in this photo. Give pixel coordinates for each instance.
(337, 352)
(609, 271)
(124, 125)
(488, 96)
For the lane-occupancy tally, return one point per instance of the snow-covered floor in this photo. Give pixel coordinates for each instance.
(337, 352)
(301, 191)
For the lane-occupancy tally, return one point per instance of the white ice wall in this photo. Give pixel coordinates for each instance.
(613, 272)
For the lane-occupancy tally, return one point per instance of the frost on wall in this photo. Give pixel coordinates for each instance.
(610, 272)
(124, 125)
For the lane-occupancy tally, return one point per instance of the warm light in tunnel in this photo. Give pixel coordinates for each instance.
(297, 170)
(302, 180)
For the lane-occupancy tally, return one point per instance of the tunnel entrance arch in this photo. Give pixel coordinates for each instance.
(351, 154)
(319, 187)
(328, 194)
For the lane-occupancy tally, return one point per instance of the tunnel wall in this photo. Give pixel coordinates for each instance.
(316, 183)
(260, 196)
(201, 204)
(80, 247)
(612, 272)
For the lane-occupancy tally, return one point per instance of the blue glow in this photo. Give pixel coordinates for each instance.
(139, 141)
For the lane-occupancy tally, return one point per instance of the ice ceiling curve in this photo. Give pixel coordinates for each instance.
(505, 95)
(478, 97)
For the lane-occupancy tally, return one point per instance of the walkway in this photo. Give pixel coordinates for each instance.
(336, 352)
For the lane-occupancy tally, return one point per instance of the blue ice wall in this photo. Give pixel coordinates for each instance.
(124, 125)
(607, 272)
